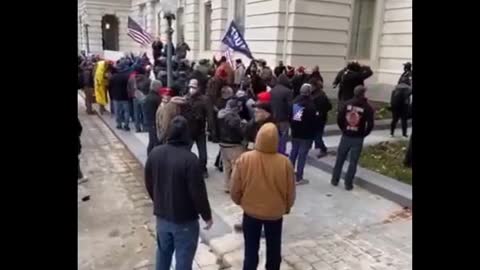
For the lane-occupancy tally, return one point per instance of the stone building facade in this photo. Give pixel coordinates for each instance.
(326, 33)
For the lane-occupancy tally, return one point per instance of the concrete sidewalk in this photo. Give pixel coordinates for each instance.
(328, 228)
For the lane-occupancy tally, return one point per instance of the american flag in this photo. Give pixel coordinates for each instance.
(136, 32)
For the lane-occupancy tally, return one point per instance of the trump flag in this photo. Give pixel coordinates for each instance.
(234, 40)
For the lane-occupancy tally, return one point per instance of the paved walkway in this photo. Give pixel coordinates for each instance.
(115, 227)
(328, 228)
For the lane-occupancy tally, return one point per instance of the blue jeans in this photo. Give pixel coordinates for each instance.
(283, 130)
(347, 145)
(138, 113)
(319, 143)
(122, 112)
(300, 149)
(181, 238)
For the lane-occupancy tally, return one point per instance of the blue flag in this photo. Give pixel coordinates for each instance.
(234, 39)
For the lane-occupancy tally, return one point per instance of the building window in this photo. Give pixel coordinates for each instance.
(142, 19)
(362, 28)
(239, 17)
(208, 26)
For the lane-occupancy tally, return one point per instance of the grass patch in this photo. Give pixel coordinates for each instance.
(381, 111)
(387, 158)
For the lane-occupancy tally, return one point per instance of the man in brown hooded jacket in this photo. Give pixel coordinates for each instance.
(264, 186)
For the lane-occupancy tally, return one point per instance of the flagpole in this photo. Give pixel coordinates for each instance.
(169, 17)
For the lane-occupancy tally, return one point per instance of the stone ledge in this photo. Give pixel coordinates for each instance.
(376, 183)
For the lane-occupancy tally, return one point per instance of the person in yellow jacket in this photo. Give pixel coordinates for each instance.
(100, 84)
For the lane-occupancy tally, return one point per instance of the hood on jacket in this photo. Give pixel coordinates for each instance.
(283, 80)
(178, 131)
(267, 139)
(232, 106)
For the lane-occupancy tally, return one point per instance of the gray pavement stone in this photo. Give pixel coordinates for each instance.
(324, 221)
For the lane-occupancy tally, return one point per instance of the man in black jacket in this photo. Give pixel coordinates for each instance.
(118, 91)
(298, 80)
(281, 101)
(199, 112)
(303, 130)
(407, 73)
(280, 69)
(400, 104)
(231, 138)
(150, 106)
(323, 106)
(157, 47)
(355, 120)
(348, 78)
(174, 182)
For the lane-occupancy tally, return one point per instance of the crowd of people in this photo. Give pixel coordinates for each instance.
(251, 112)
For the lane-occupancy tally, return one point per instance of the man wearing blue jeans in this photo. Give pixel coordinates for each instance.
(303, 130)
(355, 120)
(174, 181)
(118, 91)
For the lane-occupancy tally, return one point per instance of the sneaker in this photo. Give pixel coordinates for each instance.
(322, 154)
(348, 188)
(126, 128)
(334, 183)
(138, 130)
(405, 135)
(119, 127)
(392, 136)
(302, 182)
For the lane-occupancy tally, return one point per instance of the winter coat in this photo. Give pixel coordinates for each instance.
(349, 79)
(279, 70)
(400, 99)
(316, 75)
(199, 112)
(101, 83)
(303, 122)
(150, 106)
(157, 47)
(281, 99)
(322, 105)
(214, 90)
(356, 118)
(297, 81)
(182, 49)
(174, 181)
(253, 127)
(231, 131)
(263, 180)
(258, 85)
(118, 86)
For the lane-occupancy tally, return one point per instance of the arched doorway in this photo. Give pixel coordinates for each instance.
(110, 33)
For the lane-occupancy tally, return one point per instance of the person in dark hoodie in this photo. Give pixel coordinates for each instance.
(316, 74)
(200, 112)
(150, 106)
(356, 120)
(407, 73)
(350, 77)
(280, 69)
(323, 106)
(118, 91)
(303, 130)
(298, 80)
(399, 105)
(157, 47)
(281, 101)
(173, 179)
(231, 137)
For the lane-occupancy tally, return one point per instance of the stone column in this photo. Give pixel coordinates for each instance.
(192, 27)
